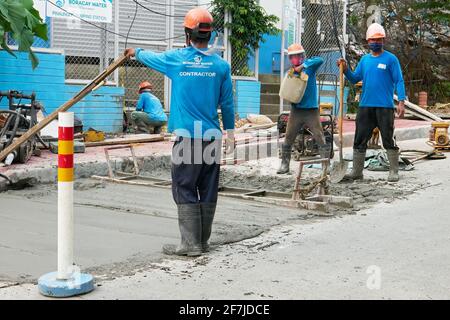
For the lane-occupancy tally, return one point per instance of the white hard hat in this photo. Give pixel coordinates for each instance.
(295, 48)
(375, 31)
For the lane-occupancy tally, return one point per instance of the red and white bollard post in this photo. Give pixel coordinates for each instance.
(67, 281)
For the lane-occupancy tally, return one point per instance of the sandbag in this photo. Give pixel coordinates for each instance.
(259, 119)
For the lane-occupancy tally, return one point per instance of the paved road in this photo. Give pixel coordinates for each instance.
(398, 250)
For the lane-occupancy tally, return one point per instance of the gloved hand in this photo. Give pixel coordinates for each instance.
(299, 68)
(230, 142)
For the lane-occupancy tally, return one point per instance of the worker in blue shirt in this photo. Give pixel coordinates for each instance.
(381, 74)
(306, 112)
(149, 111)
(201, 82)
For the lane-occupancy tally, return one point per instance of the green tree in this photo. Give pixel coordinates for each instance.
(250, 22)
(19, 19)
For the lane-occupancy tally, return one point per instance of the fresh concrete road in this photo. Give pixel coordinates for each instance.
(398, 250)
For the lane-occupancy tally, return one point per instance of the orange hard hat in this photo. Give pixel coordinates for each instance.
(375, 31)
(295, 49)
(199, 19)
(145, 85)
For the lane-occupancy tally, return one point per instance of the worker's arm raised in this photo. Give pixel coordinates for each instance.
(153, 60)
(313, 63)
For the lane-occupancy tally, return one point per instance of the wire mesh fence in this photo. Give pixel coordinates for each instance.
(157, 25)
(322, 31)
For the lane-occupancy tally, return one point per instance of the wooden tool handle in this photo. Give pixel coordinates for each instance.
(66, 106)
(341, 110)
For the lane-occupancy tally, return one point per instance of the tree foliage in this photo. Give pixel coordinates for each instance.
(19, 19)
(250, 22)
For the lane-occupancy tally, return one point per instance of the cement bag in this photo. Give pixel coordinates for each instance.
(259, 119)
(293, 87)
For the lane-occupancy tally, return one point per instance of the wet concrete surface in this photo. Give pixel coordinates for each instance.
(120, 230)
(117, 227)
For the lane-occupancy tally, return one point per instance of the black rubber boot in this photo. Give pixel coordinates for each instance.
(359, 157)
(190, 223)
(393, 156)
(208, 211)
(286, 152)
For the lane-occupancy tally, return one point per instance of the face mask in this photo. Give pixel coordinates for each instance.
(376, 47)
(296, 61)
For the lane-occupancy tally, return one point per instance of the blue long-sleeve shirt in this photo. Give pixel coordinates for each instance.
(151, 105)
(381, 76)
(310, 98)
(200, 84)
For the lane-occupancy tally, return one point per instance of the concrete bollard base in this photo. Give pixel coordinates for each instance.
(50, 286)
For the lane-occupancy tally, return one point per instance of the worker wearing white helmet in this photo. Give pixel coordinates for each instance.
(306, 112)
(381, 74)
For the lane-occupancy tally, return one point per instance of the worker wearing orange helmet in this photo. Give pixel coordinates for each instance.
(201, 82)
(381, 74)
(149, 111)
(306, 112)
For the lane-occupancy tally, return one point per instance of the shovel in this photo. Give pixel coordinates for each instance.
(339, 169)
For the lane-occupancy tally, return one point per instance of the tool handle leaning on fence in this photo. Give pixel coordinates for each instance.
(341, 110)
(66, 106)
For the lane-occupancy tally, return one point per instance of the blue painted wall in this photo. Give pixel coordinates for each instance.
(270, 57)
(101, 110)
(247, 97)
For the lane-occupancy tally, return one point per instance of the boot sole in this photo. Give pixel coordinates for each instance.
(353, 179)
(171, 251)
(194, 254)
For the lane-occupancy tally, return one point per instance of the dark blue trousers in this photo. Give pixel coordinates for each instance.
(194, 179)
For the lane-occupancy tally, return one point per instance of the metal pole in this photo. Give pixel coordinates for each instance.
(116, 37)
(170, 10)
(344, 27)
(227, 32)
(300, 20)
(65, 194)
(283, 40)
(257, 64)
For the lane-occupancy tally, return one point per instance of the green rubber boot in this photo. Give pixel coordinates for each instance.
(359, 157)
(208, 211)
(286, 152)
(393, 156)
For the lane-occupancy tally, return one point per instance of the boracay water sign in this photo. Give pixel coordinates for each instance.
(90, 10)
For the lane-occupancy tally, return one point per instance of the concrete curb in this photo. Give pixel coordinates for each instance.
(82, 170)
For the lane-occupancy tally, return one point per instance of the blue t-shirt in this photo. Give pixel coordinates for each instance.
(381, 76)
(152, 106)
(310, 99)
(200, 84)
